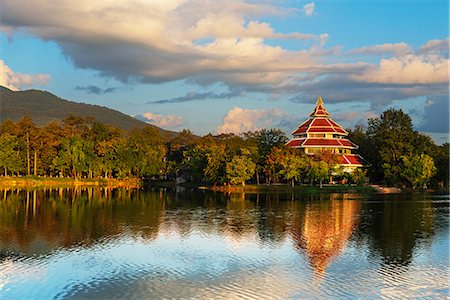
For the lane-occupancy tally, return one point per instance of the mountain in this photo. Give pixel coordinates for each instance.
(44, 107)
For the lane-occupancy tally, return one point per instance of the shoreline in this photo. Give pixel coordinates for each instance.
(56, 182)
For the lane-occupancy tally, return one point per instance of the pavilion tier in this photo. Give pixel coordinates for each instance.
(320, 133)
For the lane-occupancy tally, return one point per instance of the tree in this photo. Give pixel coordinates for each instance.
(318, 170)
(293, 164)
(9, 158)
(265, 141)
(392, 135)
(418, 169)
(215, 170)
(241, 168)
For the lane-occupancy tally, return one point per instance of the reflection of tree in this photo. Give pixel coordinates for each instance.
(322, 228)
(396, 226)
(273, 218)
(64, 217)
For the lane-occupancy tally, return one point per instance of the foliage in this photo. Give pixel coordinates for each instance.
(85, 148)
(290, 163)
(389, 145)
(418, 169)
(240, 168)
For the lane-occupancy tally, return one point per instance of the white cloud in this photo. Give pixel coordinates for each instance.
(16, 81)
(225, 42)
(399, 48)
(164, 121)
(239, 120)
(436, 46)
(309, 9)
(408, 69)
(164, 40)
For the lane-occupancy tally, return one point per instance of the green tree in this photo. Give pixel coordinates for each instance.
(215, 171)
(418, 170)
(392, 135)
(293, 163)
(9, 158)
(241, 168)
(318, 170)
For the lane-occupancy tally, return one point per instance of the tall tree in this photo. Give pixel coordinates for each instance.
(241, 168)
(392, 134)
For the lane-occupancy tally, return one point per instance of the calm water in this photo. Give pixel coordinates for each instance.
(135, 244)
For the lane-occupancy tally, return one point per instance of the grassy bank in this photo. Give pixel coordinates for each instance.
(34, 181)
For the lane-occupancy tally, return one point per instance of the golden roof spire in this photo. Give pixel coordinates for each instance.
(319, 101)
(320, 110)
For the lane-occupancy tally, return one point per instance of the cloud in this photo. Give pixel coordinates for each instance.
(436, 117)
(164, 121)
(239, 120)
(16, 81)
(191, 96)
(162, 41)
(399, 48)
(355, 117)
(206, 43)
(92, 89)
(408, 69)
(436, 46)
(309, 9)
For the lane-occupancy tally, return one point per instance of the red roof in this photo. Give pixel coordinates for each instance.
(302, 128)
(320, 109)
(320, 122)
(333, 123)
(350, 159)
(295, 143)
(322, 142)
(319, 129)
(347, 143)
(340, 130)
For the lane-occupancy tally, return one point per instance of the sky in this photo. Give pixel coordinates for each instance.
(233, 66)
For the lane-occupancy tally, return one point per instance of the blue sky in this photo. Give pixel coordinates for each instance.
(234, 66)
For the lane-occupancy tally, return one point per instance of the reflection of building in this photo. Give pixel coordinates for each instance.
(320, 133)
(325, 229)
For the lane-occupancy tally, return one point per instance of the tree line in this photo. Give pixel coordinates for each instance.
(83, 148)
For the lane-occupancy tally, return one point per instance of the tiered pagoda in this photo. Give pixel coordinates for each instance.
(320, 133)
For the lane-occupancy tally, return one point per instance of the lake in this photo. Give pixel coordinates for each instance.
(90, 243)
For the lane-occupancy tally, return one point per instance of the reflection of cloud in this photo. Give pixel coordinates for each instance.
(164, 121)
(13, 271)
(239, 120)
(16, 81)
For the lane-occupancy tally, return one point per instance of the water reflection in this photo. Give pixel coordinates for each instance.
(140, 239)
(323, 230)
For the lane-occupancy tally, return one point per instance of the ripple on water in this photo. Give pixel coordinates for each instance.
(240, 250)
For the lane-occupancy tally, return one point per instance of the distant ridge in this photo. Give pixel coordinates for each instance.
(44, 107)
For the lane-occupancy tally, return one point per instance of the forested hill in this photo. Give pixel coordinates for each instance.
(43, 107)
